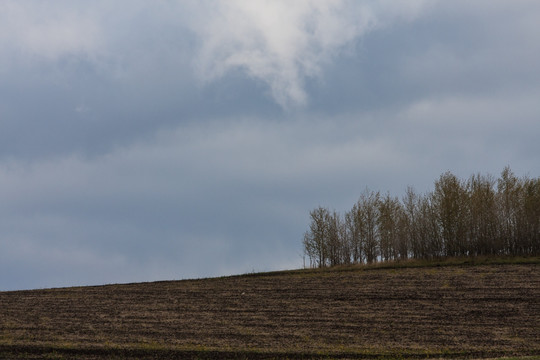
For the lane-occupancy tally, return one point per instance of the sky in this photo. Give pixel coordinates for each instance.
(160, 140)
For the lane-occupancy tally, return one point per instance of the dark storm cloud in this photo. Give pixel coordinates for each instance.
(143, 141)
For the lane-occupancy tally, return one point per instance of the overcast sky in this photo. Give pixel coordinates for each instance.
(153, 140)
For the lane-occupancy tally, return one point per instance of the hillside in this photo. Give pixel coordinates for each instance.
(487, 310)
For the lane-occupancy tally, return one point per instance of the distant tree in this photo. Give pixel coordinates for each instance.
(530, 210)
(508, 219)
(449, 199)
(368, 213)
(402, 246)
(345, 235)
(413, 229)
(353, 224)
(316, 238)
(458, 218)
(433, 239)
(483, 234)
(411, 224)
(389, 211)
(334, 241)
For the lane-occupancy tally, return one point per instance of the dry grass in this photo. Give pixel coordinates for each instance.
(487, 310)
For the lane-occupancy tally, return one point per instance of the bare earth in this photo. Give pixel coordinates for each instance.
(454, 311)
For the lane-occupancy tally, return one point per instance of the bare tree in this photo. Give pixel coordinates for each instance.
(345, 241)
(530, 210)
(449, 199)
(368, 214)
(483, 229)
(507, 191)
(410, 224)
(389, 209)
(335, 243)
(316, 239)
(353, 223)
(458, 218)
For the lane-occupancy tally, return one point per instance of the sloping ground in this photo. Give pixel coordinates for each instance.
(451, 311)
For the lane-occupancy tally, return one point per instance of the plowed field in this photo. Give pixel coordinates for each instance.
(451, 311)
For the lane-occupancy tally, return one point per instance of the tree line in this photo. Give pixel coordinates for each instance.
(478, 216)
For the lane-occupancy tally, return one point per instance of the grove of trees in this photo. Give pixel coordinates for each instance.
(478, 216)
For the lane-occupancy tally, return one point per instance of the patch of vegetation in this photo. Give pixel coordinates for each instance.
(476, 217)
(401, 264)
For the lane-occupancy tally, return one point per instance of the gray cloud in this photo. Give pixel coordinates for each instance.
(191, 139)
(282, 43)
(47, 32)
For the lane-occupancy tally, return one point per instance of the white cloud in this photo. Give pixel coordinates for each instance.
(279, 43)
(283, 42)
(49, 32)
(120, 38)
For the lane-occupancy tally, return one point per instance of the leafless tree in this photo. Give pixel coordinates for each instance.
(483, 234)
(389, 211)
(353, 223)
(316, 238)
(368, 213)
(449, 200)
(458, 218)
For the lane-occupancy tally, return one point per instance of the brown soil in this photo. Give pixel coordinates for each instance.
(454, 311)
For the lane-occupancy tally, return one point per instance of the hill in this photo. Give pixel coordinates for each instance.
(417, 310)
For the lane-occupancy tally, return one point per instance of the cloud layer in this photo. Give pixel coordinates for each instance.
(48, 32)
(145, 141)
(281, 43)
